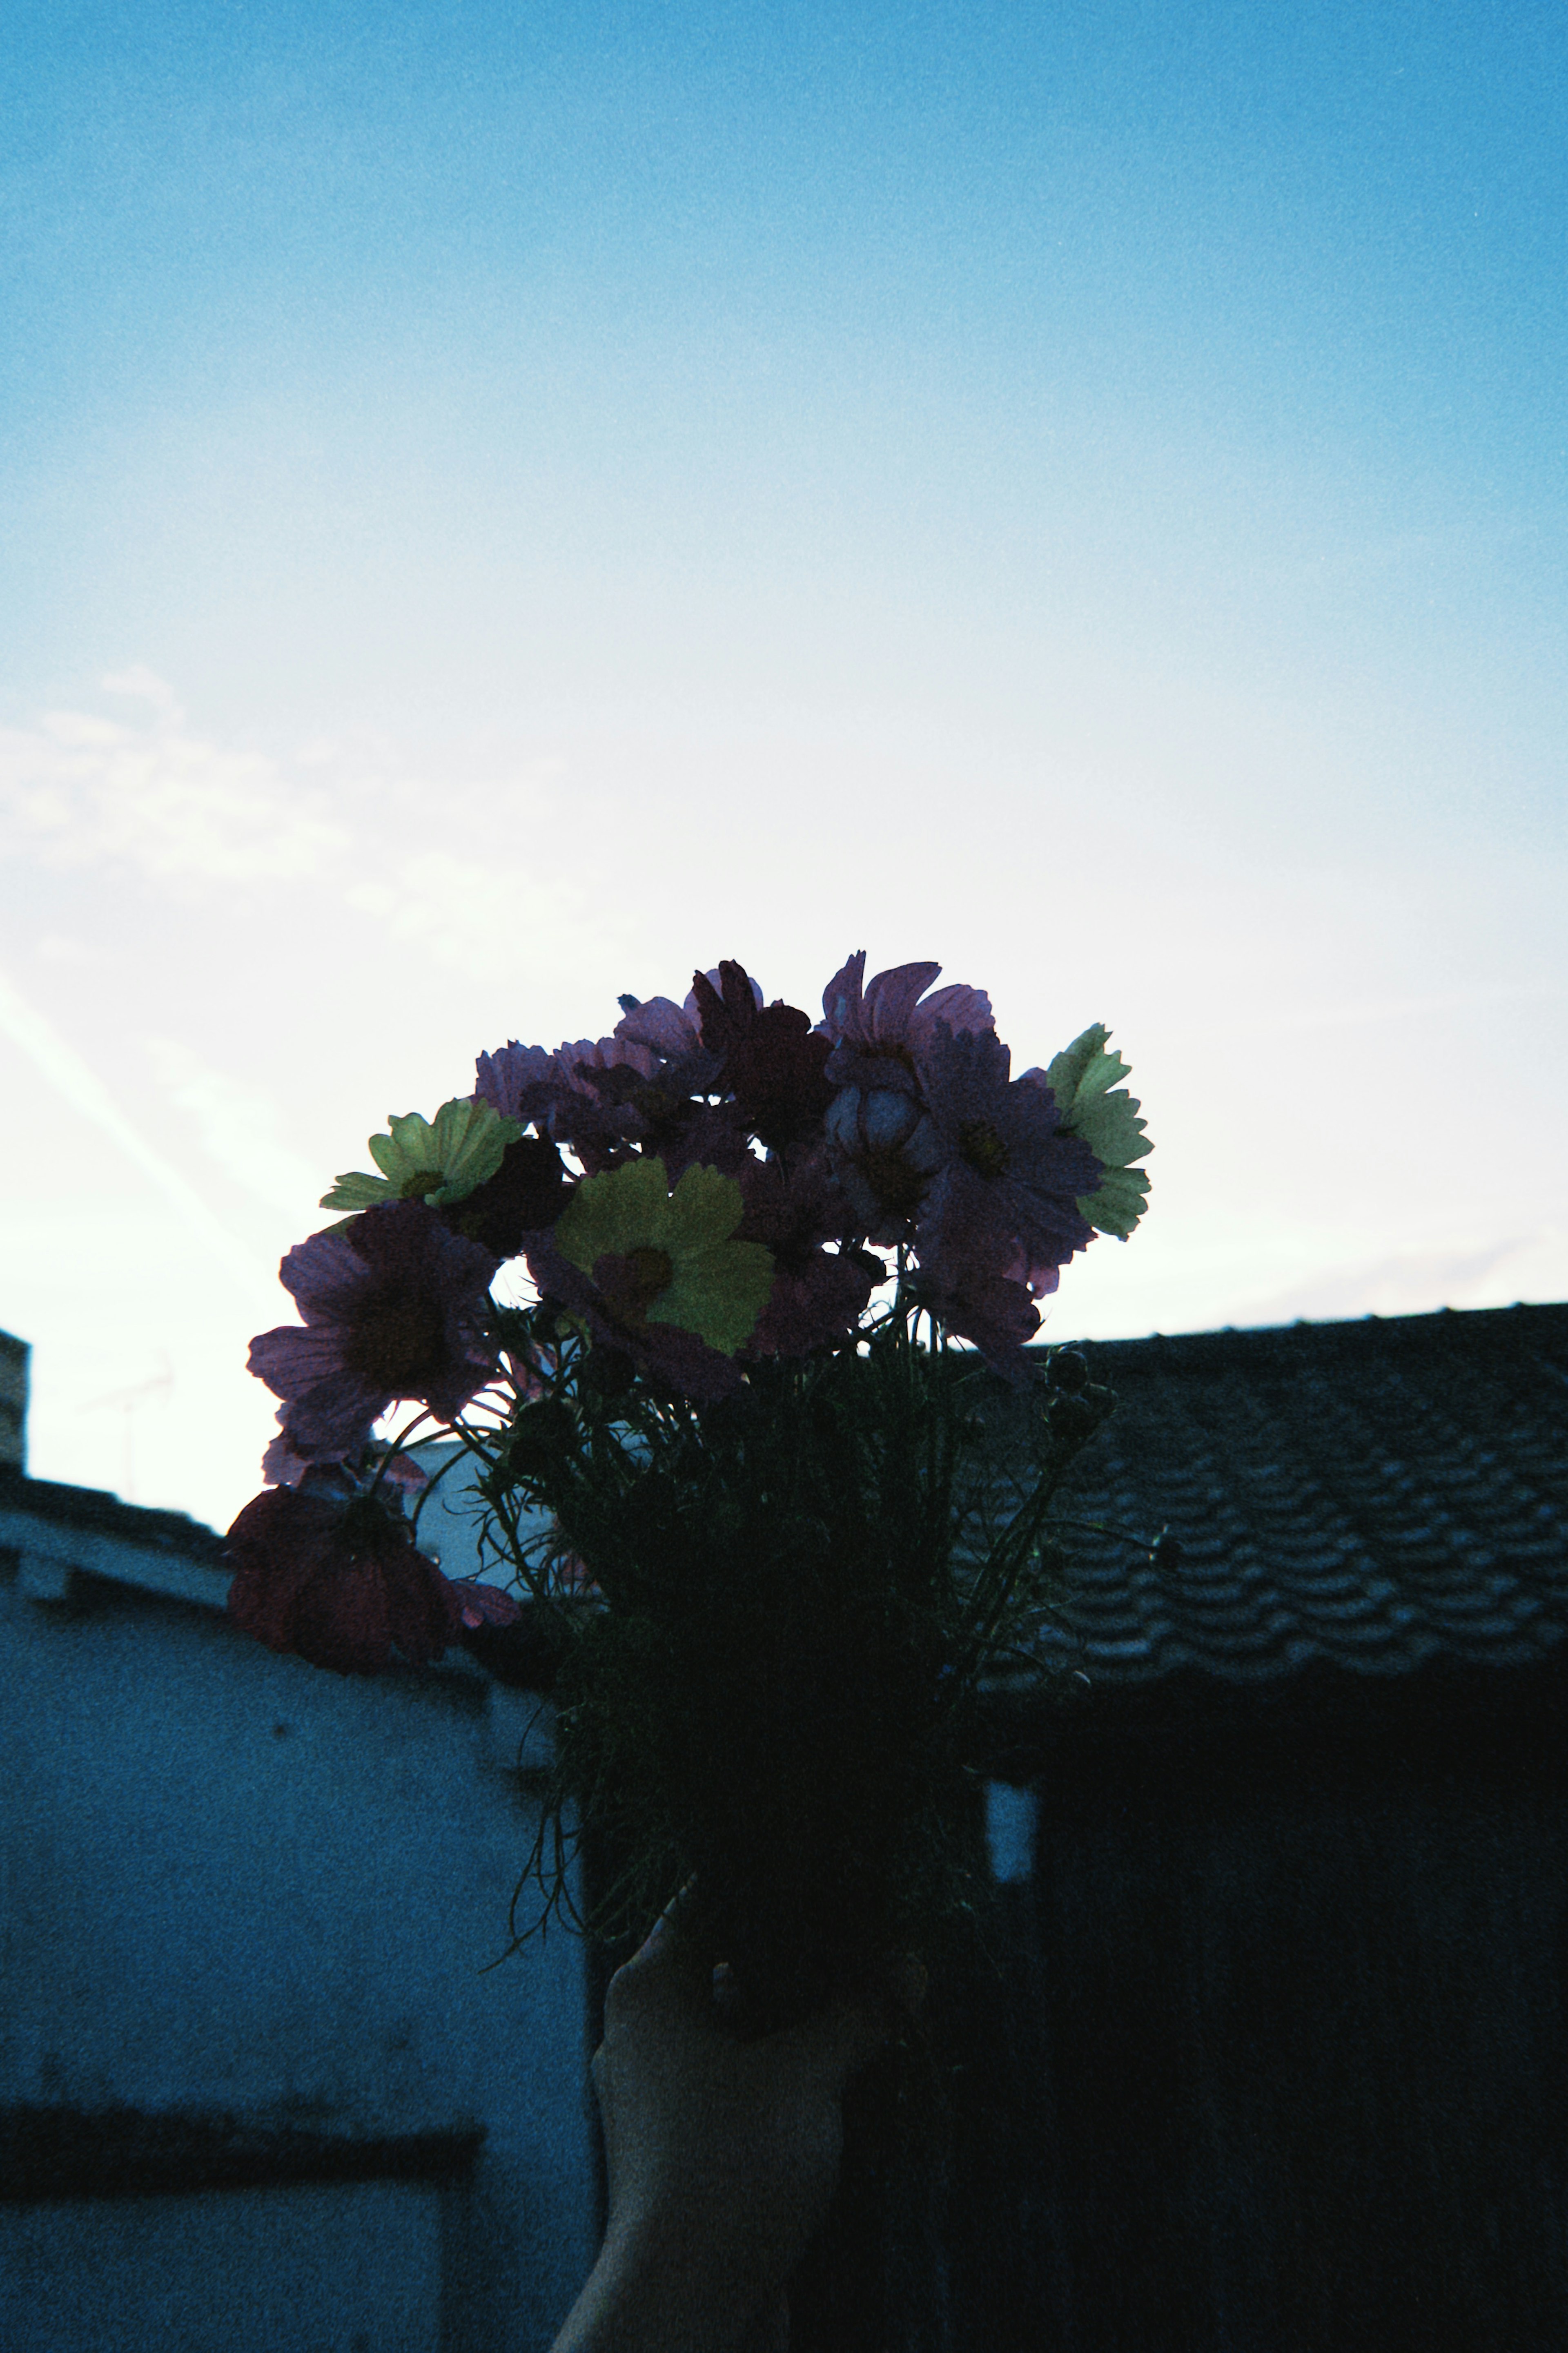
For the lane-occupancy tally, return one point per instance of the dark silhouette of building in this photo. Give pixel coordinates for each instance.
(1278, 2062)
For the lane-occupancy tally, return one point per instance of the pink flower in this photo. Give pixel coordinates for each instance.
(393, 1304)
(329, 1572)
(977, 1296)
(483, 1605)
(879, 1033)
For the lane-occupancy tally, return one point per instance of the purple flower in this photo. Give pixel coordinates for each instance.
(819, 1294)
(394, 1305)
(286, 1461)
(520, 1081)
(683, 1062)
(577, 1094)
(623, 1092)
(712, 1136)
(978, 1297)
(886, 1152)
(1006, 1190)
(329, 1572)
(879, 1034)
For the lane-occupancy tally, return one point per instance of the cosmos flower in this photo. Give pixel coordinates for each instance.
(1009, 1182)
(885, 1148)
(437, 1161)
(886, 1152)
(330, 1571)
(1082, 1080)
(684, 1061)
(770, 1059)
(879, 1032)
(979, 1295)
(521, 1083)
(794, 1207)
(394, 1303)
(663, 1257)
(483, 1605)
(526, 1193)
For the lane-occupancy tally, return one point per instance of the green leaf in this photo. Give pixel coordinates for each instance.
(718, 1292)
(1118, 1202)
(1085, 1068)
(621, 1210)
(1111, 1128)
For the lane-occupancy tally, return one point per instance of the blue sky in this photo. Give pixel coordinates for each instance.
(560, 495)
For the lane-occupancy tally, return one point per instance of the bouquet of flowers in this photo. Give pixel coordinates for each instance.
(722, 1306)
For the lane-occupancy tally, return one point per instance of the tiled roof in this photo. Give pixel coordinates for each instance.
(1360, 1498)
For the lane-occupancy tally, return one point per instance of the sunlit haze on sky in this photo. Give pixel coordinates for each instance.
(506, 504)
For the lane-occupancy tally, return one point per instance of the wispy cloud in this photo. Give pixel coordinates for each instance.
(79, 790)
(239, 1127)
(81, 1086)
(490, 923)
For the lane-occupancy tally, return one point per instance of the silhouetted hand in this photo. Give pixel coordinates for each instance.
(723, 2155)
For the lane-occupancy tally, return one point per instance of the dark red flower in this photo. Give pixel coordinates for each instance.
(329, 1572)
(770, 1060)
(725, 1013)
(527, 1192)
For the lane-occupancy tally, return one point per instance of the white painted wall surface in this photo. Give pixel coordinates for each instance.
(237, 1884)
(340, 2268)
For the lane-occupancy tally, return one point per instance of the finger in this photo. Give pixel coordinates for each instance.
(665, 1966)
(665, 1929)
(728, 1999)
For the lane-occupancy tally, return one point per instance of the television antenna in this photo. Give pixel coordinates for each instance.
(130, 1402)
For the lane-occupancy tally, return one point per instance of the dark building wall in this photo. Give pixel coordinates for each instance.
(13, 1355)
(1269, 2055)
(1277, 2059)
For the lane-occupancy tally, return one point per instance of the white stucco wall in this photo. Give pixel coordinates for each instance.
(451, 1516)
(233, 1883)
(312, 2268)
